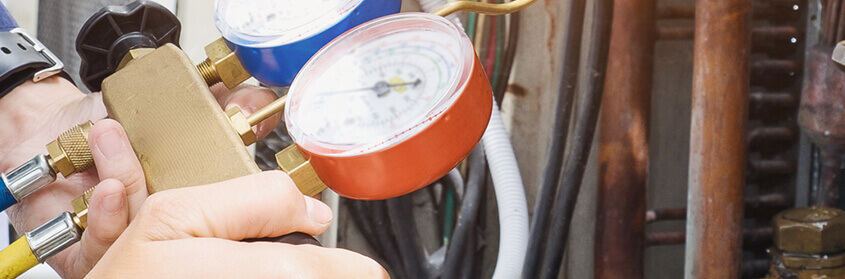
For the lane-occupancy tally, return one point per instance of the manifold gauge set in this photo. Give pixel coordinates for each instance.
(390, 106)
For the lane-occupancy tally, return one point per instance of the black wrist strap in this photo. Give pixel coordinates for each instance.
(23, 58)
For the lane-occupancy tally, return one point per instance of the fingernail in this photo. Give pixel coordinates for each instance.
(112, 204)
(248, 110)
(318, 211)
(110, 144)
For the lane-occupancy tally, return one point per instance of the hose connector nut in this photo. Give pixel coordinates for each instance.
(238, 120)
(54, 236)
(70, 153)
(80, 208)
(292, 162)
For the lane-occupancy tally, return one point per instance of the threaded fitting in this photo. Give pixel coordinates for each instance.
(209, 73)
(70, 153)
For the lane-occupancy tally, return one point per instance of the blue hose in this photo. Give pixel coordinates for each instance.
(6, 198)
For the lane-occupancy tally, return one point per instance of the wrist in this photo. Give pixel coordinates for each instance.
(37, 112)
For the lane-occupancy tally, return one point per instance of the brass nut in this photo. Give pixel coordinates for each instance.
(222, 65)
(787, 265)
(132, 55)
(810, 231)
(70, 153)
(241, 126)
(290, 160)
(80, 208)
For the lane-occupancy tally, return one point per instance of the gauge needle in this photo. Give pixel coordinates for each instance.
(381, 88)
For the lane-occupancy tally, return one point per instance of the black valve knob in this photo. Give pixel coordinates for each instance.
(113, 31)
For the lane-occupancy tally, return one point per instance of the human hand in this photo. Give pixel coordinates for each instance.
(194, 232)
(36, 113)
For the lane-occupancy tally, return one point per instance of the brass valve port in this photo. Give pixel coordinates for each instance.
(222, 66)
(290, 160)
(241, 125)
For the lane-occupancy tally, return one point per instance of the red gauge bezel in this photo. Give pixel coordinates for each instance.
(419, 160)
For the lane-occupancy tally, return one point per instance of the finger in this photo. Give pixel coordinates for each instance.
(260, 260)
(108, 217)
(249, 98)
(266, 204)
(114, 158)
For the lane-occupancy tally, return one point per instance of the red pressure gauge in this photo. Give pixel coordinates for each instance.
(390, 106)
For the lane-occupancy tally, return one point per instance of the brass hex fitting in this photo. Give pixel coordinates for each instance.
(290, 160)
(80, 208)
(810, 231)
(132, 55)
(241, 126)
(222, 65)
(70, 153)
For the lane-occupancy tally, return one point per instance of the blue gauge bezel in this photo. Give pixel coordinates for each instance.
(278, 65)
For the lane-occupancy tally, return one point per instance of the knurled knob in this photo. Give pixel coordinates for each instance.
(70, 153)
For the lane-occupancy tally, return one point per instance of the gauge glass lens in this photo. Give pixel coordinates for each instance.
(379, 84)
(260, 23)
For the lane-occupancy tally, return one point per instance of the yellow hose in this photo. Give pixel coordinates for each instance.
(16, 259)
(483, 8)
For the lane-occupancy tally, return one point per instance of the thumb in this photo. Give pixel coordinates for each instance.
(115, 158)
(108, 216)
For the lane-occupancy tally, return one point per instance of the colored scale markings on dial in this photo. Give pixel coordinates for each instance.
(389, 68)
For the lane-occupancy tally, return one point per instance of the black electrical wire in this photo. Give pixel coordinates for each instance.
(400, 212)
(363, 225)
(375, 237)
(589, 103)
(388, 240)
(469, 265)
(551, 174)
(510, 54)
(460, 247)
(385, 225)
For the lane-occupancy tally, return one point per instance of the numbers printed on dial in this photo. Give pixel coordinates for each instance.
(399, 78)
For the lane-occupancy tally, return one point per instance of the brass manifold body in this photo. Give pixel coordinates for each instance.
(176, 127)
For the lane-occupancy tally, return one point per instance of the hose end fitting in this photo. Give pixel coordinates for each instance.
(70, 153)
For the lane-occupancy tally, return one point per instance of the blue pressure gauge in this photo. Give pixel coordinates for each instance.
(274, 38)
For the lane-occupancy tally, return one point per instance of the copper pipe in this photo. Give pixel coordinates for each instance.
(823, 120)
(764, 33)
(781, 133)
(717, 142)
(772, 166)
(669, 214)
(678, 12)
(755, 235)
(782, 99)
(661, 214)
(623, 142)
(774, 65)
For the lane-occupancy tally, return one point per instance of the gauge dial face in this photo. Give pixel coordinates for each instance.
(260, 23)
(379, 84)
